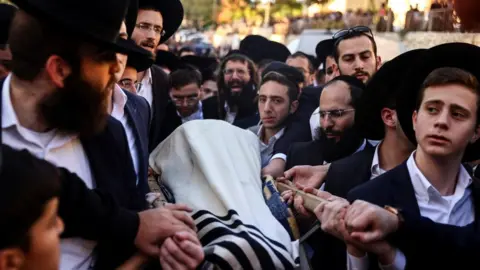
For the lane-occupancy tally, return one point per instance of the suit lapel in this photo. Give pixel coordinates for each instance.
(404, 194)
(476, 200)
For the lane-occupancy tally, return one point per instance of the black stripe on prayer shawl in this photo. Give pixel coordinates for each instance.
(262, 254)
(218, 262)
(266, 250)
(254, 231)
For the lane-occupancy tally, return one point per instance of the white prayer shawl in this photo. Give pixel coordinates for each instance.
(214, 167)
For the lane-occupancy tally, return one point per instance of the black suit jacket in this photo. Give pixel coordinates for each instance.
(138, 113)
(112, 169)
(395, 188)
(449, 247)
(343, 175)
(304, 153)
(159, 124)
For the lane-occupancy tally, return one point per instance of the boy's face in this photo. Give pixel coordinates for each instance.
(44, 244)
(445, 123)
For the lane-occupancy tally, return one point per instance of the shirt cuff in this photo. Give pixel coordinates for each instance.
(398, 263)
(280, 156)
(355, 263)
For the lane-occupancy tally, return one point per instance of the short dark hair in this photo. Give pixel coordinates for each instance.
(32, 41)
(450, 75)
(336, 53)
(281, 79)
(355, 86)
(311, 67)
(26, 185)
(185, 76)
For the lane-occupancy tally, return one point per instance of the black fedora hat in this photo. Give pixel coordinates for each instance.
(294, 75)
(7, 12)
(97, 21)
(200, 62)
(172, 14)
(169, 60)
(131, 17)
(323, 49)
(381, 90)
(276, 51)
(139, 58)
(455, 55)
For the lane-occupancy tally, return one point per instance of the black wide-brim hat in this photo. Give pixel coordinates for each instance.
(380, 90)
(98, 21)
(200, 62)
(139, 58)
(7, 12)
(455, 55)
(169, 60)
(323, 49)
(254, 47)
(172, 14)
(292, 74)
(276, 51)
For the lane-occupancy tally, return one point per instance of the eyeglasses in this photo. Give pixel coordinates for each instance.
(342, 34)
(240, 72)
(127, 84)
(159, 31)
(334, 114)
(191, 99)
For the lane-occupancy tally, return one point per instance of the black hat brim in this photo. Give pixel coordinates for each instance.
(103, 37)
(169, 60)
(456, 55)
(138, 58)
(380, 89)
(200, 62)
(172, 14)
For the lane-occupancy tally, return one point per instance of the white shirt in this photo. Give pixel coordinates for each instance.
(62, 151)
(146, 87)
(118, 112)
(230, 115)
(457, 209)
(266, 150)
(315, 121)
(375, 168)
(197, 115)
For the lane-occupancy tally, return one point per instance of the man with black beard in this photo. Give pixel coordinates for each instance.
(337, 137)
(237, 84)
(54, 104)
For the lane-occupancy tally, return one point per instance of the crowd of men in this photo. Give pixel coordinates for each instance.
(391, 148)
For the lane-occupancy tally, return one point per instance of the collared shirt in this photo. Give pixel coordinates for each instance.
(197, 115)
(62, 151)
(266, 150)
(146, 87)
(230, 115)
(456, 209)
(118, 112)
(375, 168)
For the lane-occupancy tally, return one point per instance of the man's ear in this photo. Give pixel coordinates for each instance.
(293, 107)
(414, 119)
(58, 70)
(389, 117)
(475, 135)
(379, 62)
(11, 259)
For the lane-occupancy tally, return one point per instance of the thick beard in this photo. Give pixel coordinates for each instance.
(78, 108)
(332, 150)
(244, 100)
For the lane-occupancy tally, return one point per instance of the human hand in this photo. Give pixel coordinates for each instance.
(331, 214)
(307, 176)
(183, 251)
(158, 224)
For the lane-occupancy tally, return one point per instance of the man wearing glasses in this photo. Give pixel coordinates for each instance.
(157, 21)
(355, 52)
(337, 137)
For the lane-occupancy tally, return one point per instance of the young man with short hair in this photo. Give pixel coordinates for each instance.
(300, 61)
(355, 52)
(277, 100)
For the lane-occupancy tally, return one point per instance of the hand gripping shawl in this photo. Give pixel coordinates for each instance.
(214, 168)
